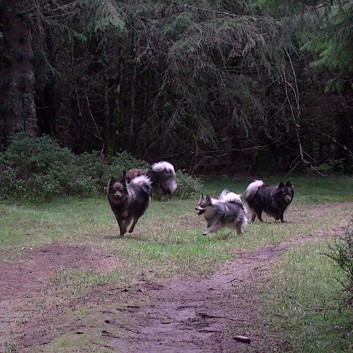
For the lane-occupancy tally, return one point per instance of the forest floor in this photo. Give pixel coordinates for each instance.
(188, 315)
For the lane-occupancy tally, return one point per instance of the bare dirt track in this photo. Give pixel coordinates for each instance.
(173, 315)
(205, 315)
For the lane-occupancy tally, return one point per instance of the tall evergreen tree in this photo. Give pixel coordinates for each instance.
(17, 74)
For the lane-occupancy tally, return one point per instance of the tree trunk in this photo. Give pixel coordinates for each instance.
(17, 94)
(106, 134)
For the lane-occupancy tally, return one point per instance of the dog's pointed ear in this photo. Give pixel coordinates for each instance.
(208, 198)
(123, 178)
(111, 181)
(289, 184)
(281, 185)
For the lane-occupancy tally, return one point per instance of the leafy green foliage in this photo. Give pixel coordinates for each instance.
(342, 253)
(333, 43)
(38, 168)
(197, 79)
(324, 28)
(188, 186)
(101, 16)
(332, 166)
(306, 302)
(33, 168)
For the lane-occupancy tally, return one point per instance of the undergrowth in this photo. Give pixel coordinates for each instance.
(39, 169)
(342, 254)
(305, 300)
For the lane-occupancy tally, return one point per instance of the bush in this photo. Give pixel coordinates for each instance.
(342, 253)
(188, 186)
(123, 161)
(30, 169)
(38, 168)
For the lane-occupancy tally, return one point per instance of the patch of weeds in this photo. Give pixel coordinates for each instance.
(98, 326)
(10, 348)
(304, 302)
(79, 341)
(342, 254)
(81, 279)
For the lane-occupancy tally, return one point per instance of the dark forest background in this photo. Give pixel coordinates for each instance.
(211, 86)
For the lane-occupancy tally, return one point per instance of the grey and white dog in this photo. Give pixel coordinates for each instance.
(226, 211)
(162, 175)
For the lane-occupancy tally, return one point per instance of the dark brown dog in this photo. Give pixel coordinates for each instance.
(129, 200)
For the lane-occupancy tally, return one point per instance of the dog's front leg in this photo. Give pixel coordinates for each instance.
(133, 225)
(256, 212)
(121, 226)
(259, 215)
(211, 228)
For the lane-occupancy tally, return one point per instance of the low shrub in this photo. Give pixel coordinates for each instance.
(188, 186)
(38, 168)
(342, 253)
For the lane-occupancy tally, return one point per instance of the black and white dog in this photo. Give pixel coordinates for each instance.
(226, 211)
(162, 175)
(129, 200)
(272, 199)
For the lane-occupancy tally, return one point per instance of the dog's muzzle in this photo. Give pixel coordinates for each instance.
(288, 199)
(200, 210)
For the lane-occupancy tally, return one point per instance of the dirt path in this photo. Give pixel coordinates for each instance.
(195, 316)
(175, 315)
(200, 316)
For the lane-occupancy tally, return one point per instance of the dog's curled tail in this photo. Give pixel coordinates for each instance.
(251, 190)
(163, 174)
(144, 182)
(228, 196)
(170, 185)
(163, 167)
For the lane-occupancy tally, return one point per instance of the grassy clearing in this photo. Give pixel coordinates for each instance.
(304, 301)
(307, 190)
(168, 241)
(169, 232)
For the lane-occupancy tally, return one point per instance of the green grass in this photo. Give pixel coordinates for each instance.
(168, 241)
(307, 189)
(169, 231)
(305, 301)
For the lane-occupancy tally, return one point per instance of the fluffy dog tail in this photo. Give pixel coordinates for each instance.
(228, 196)
(251, 190)
(144, 182)
(163, 167)
(163, 175)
